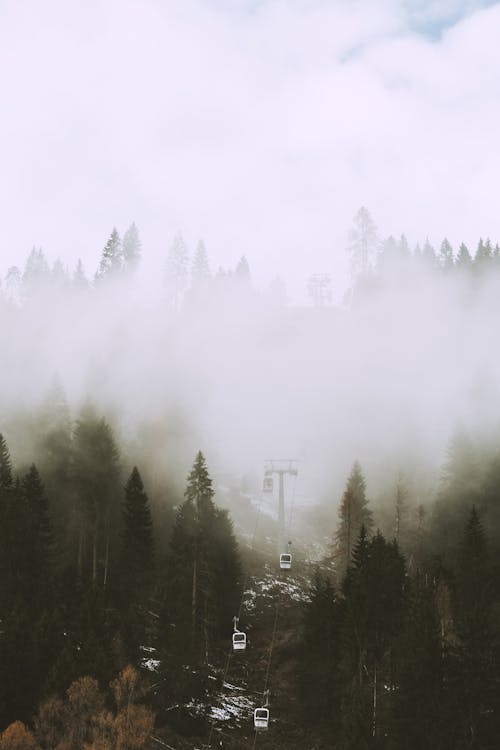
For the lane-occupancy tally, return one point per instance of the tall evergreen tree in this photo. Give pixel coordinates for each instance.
(38, 541)
(446, 255)
(112, 257)
(363, 243)
(354, 513)
(177, 271)
(131, 248)
(464, 259)
(200, 268)
(137, 550)
(203, 588)
(95, 481)
(80, 281)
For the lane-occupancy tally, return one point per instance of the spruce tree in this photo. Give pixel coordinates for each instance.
(112, 257)
(137, 549)
(38, 540)
(6, 541)
(177, 271)
(464, 259)
(354, 513)
(95, 482)
(203, 586)
(363, 244)
(446, 255)
(200, 269)
(131, 248)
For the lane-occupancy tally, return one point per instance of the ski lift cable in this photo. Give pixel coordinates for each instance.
(265, 693)
(271, 647)
(292, 506)
(230, 651)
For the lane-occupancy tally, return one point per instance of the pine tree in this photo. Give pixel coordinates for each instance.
(137, 550)
(13, 285)
(131, 248)
(464, 259)
(177, 271)
(429, 255)
(363, 243)
(95, 481)
(6, 541)
(242, 271)
(38, 541)
(446, 255)
(475, 667)
(319, 657)
(80, 281)
(374, 596)
(112, 257)
(483, 255)
(203, 587)
(418, 709)
(200, 269)
(354, 513)
(36, 274)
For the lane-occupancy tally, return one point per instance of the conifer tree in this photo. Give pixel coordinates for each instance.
(137, 550)
(131, 248)
(38, 540)
(363, 243)
(418, 662)
(483, 255)
(464, 259)
(203, 587)
(354, 513)
(320, 655)
(200, 269)
(446, 255)
(429, 255)
(95, 481)
(112, 257)
(36, 273)
(6, 501)
(80, 281)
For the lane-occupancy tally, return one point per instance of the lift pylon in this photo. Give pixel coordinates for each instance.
(281, 467)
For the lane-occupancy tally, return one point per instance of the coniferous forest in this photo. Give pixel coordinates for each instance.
(134, 525)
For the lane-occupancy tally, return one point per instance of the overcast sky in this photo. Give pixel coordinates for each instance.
(259, 125)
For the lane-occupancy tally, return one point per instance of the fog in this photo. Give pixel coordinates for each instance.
(261, 127)
(232, 370)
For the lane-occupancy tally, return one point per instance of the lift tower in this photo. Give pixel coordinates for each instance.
(280, 467)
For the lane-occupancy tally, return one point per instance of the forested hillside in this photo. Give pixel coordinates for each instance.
(133, 525)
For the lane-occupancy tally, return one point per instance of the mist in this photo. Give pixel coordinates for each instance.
(238, 372)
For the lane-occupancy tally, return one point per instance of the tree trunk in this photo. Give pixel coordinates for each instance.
(106, 561)
(193, 604)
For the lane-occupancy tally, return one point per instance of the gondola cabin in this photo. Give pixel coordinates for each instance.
(261, 718)
(239, 641)
(285, 561)
(267, 485)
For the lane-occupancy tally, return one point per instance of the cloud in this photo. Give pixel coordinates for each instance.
(261, 127)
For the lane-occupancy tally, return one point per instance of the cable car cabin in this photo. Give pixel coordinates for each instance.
(239, 641)
(285, 561)
(261, 718)
(267, 485)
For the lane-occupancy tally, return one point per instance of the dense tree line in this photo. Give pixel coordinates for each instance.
(83, 587)
(400, 656)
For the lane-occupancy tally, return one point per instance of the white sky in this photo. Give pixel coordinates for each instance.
(259, 126)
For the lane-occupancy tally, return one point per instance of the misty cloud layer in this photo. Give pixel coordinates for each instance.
(259, 126)
(384, 381)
